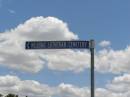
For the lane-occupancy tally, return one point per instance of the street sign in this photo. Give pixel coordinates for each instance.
(67, 45)
(57, 44)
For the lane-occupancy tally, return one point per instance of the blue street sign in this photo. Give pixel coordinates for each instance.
(57, 44)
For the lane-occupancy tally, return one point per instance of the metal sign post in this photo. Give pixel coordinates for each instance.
(92, 45)
(67, 45)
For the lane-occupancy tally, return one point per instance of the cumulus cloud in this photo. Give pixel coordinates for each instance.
(68, 60)
(119, 87)
(114, 61)
(31, 88)
(14, 55)
(12, 48)
(67, 90)
(13, 84)
(105, 43)
(120, 84)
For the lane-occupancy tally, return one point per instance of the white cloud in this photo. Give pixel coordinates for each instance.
(31, 88)
(115, 61)
(105, 43)
(40, 28)
(13, 84)
(14, 55)
(119, 87)
(68, 60)
(67, 90)
(120, 84)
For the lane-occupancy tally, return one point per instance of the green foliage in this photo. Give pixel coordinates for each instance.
(1, 95)
(10, 95)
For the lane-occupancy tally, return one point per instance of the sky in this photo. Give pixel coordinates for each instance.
(64, 73)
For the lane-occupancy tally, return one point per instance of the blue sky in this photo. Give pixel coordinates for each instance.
(102, 20)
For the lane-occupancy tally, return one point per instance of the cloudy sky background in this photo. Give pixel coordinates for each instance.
(64, 73)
